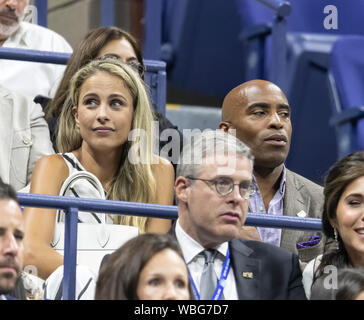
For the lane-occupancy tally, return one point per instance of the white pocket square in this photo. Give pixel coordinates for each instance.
(302, 214)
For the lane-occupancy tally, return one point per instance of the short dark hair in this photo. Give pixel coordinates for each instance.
(7, 191)
(119, 276)
(350, 283)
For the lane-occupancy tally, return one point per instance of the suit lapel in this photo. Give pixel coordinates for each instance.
(246, 271)
(295, 200)
(6, 133)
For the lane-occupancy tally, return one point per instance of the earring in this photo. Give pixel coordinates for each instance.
(336, 239)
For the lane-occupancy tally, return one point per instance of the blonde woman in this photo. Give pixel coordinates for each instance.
(108, 102)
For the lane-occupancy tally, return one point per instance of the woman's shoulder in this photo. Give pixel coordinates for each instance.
(49, 174)
(160, 163)
(53, 163)
(52, 160)
(162, 167)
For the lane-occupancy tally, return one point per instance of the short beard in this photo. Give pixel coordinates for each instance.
(7, 31)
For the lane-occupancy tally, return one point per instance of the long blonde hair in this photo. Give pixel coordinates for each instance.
(134, 181)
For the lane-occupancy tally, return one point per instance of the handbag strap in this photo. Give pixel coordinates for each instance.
(82, 175)
(67, 186)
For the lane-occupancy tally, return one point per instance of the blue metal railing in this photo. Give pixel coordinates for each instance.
(107, 13)
(155, 75)
(153, 29)
(73, 205)
(34, 55)
(42, 12)
(282, 9)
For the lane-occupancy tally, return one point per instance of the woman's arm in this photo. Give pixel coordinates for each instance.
(164, 175)
(47, 178)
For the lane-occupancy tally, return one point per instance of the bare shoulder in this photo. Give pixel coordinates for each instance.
(49, 174)
(55, 162)
(164, 175)
(162, 166)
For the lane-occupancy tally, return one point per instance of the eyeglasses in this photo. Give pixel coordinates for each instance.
(138, 67)
(225, 185)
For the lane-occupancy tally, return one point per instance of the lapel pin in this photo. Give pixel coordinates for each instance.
(248, 275)
(302, 214)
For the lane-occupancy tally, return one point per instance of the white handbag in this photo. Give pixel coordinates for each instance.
(95, 237)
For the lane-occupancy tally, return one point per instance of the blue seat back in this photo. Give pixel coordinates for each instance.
(347, 69)
(207, 54)
(308, 16)
(156, 80)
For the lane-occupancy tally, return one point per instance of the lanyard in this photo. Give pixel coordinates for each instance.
(222, 281)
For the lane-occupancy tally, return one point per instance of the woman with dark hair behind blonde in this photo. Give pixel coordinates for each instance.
(107, 101)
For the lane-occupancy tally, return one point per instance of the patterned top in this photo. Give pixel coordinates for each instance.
(256, 205)
(82, 188)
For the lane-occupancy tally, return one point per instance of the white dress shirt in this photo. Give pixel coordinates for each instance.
(32, 78)
(191, 250)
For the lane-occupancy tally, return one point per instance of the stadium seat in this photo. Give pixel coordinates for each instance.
(206, 55)
(346, 73)
(203, 52)
(194, 117)
(156, 80)
(309, 47)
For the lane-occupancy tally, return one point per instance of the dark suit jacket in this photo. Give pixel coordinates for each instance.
(263, 271)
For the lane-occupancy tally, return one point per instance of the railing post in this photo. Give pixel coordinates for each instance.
(70, 254)
(42, 12)
(153, 29)
(107, 13)
(278, 68)
(282, 9)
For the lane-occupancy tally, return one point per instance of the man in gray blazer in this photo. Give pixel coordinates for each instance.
(258, 113)
(24, 138)
(213, 185)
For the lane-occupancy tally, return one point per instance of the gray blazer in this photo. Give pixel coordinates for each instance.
(24, 138)
(302, 195)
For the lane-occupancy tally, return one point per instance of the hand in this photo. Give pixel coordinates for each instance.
(249, 233)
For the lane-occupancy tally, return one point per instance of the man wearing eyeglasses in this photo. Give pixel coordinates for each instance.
(213, 186)
(259, 114)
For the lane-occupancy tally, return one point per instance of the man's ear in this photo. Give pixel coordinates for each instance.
(225, 126)
(75, 115)
(181, 188)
